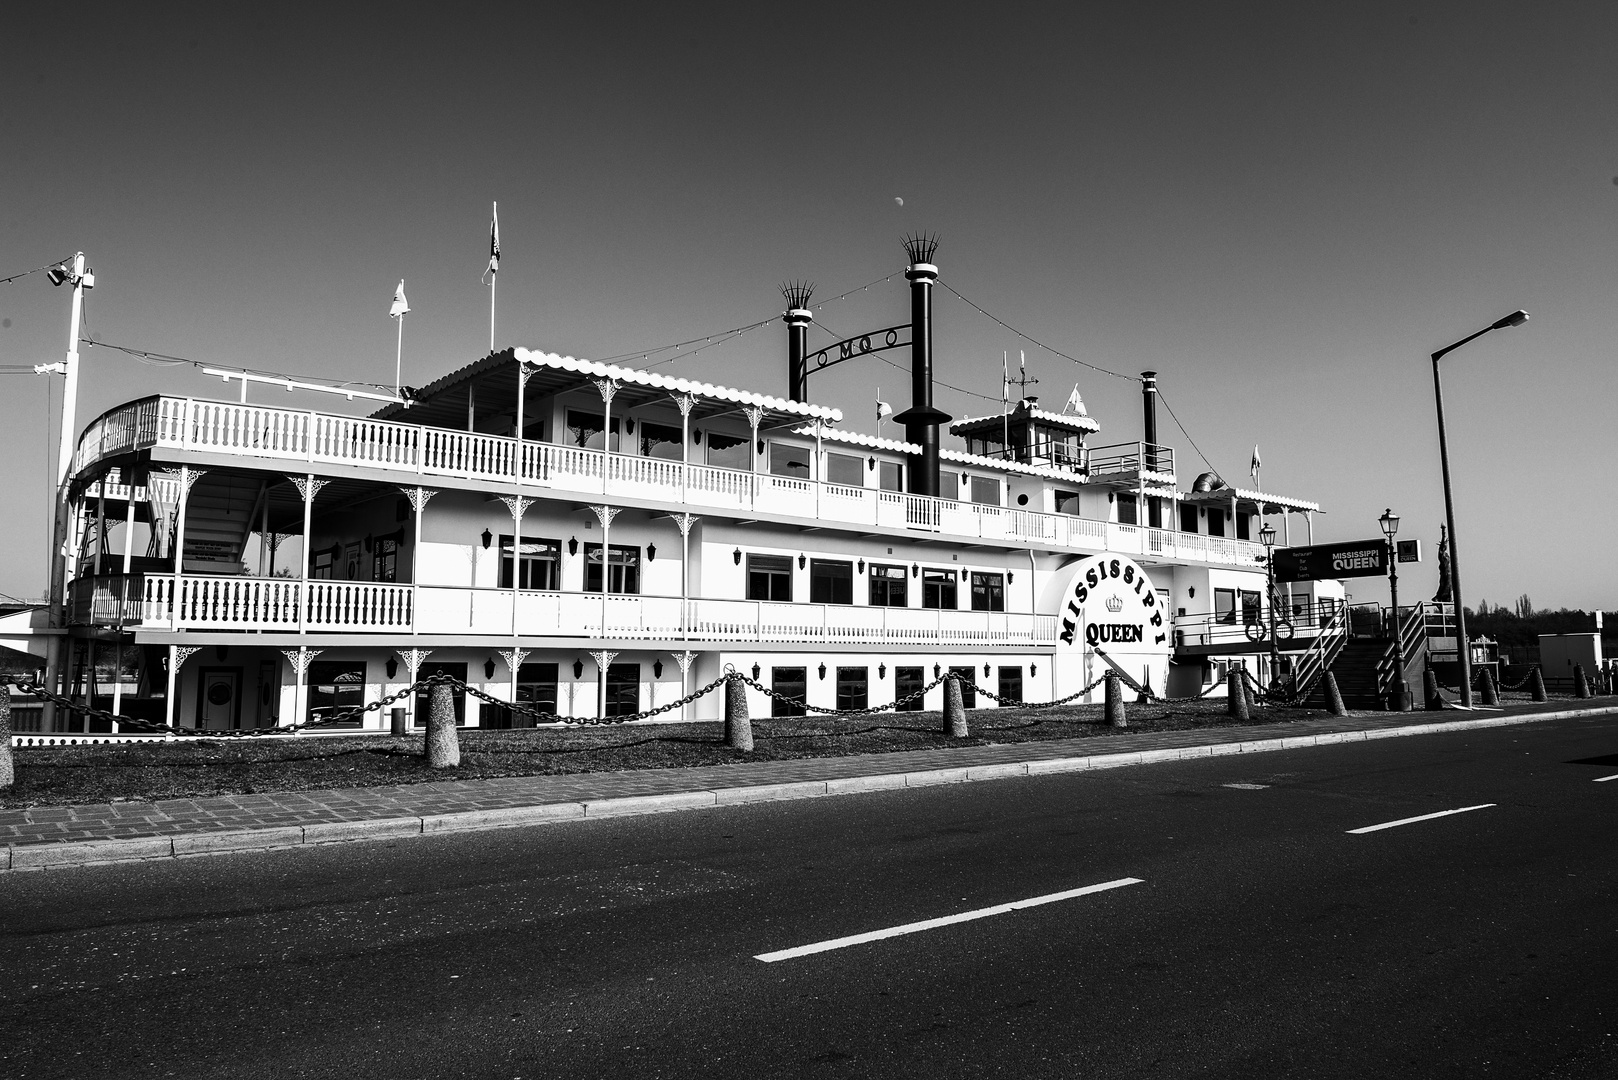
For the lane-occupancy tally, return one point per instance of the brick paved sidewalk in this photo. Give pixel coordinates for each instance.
(100, 832)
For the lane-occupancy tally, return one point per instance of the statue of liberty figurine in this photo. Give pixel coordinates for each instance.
(1446, 593)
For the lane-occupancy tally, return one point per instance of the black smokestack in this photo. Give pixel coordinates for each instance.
(1148, 391)
(921, 420)
(798, 317)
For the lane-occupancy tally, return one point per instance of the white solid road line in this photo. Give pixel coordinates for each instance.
(1604, 779)
(1423, 817)
(930, 924)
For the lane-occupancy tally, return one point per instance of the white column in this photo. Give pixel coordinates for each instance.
(684, 403)
(418, 497)
(101, 521)
(308, 487)
(684, 659)
(187, 477)
(517, 504)
(608, 389)
(413, 659)
(514, 658)
(178, 655)
(300, 659)
(604, 514)
(603, 659)
(522, 394)
(685, 521)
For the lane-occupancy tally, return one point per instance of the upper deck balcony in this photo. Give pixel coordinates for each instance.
(296, 440)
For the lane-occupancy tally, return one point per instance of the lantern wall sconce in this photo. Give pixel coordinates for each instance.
(915, 569)
(573, 545)
(1191, 592)
(1011, 575)
(696, 436)
(963, 573)
(757, 671)
(488, 668)
(657, 669)
(862, 566)
(392, 667)
(578, 669)
(629, 425)
(802, 560)
(736, 556)
(882, 671)
(488, 538)
(937, 671)
(985, 671)
(822, 671)
(651, 552)
(761, 446)
(1033, 669)
(870, 464)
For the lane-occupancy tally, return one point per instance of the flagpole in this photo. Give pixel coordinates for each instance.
(398, 361)
(491, 311)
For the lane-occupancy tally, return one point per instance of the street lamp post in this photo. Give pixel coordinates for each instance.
(1463, 646)
(1401, 691)
(1266, 536)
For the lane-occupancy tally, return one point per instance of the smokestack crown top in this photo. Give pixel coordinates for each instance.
(797, 294)
(920, 247)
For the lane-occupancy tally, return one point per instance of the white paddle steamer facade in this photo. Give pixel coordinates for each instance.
(592, 540)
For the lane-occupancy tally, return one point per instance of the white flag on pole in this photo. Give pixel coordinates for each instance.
(1074, 402)
(494, 241)
(1257, 464)
(400, 306)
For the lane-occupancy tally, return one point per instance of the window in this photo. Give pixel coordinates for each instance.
(831, 582)
(1154, 511)
(321, 569)
(1250, 606)
(789, 460)
(1010, 686)
(986, 491)
(1127, 511)
(845, 469)
(585, 428)
(1067, 502)
(888, 586)
(659, 441)
(1188, 518)
(938, 589)
(623, 689)
(906, 681)
(623, 569)
(335, 686)
(536, 688)
(537, 563)
(1216, 521)
(969, 685)
(385, 561)
(458, 693)
(1243, 526)
(1225, 606)
(890, 475)
(988, 592)
(728, 451)
(769, 577)
(853, 687)
(793, 682)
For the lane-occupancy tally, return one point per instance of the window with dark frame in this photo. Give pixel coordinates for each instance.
(968, 678)
(986, 491)
(853, 687)
(1127, 510)
(1067, 502)
(1225, 606)
(623, 689)
(789, 459)
(623, 576)
(1188, 517)
(769, 577)
(938, 589)
(727, 451)
(888, 586)
(538, 563)
(536, 689)
(320, 568)
(1252, 607)
(890, 475)
(1216, 521)
(906, 681)
(1010, 686)
(790, 682)
(831, 582)
(1244, 530)
(585, 428)
(845, 469)
(385, 561)
(988, 592)
(335, 686)
(659, 441)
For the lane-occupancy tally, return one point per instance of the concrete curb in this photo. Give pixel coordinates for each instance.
(68, 853)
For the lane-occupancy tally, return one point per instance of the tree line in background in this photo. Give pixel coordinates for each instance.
(1519, 626)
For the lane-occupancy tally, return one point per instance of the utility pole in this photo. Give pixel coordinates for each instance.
(57, 598)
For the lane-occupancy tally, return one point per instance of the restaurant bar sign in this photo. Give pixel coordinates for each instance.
(1358, 558)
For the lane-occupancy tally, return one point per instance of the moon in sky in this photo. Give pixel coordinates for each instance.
(898, 200)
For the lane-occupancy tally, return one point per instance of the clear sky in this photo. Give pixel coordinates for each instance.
(1282, 208)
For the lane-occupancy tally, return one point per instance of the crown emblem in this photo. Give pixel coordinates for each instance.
(1114, 604)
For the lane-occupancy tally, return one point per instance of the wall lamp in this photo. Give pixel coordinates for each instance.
(657, 669)
(578, 669)
(736, 556)
(488, 538)
(823, 671)
(756, 672)
(801, 560)
(392, 667)
(882, 671)
(651, 552)
(573, 545)
(488, 668)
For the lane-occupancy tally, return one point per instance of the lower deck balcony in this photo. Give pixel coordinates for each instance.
(283, 605)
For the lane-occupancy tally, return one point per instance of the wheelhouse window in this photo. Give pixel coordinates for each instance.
(1067, 502)
(1216, 521)
(888, 586)
(535, 562)
(1225, 606)
(623, 570)
(1244, 530)
(769, 577)
(1188, 517)
(585, 429)
(846, 469)
(891, 475)
(787, 459)
(792, 686)
(938, 589)
(726, 451)
(853, 687)
(831, 582)
(385, 561)
(986, 491)
(907, 681)
(988, 592)
(1128, 512)
(659, 441)
(335, 687)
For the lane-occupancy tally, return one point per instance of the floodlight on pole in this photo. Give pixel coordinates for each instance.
(1462, 645)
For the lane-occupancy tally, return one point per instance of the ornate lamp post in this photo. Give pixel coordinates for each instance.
(1464, 647)
(1401, 692)
(1266, 536)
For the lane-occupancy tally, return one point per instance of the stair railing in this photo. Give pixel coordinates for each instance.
(1322, 652)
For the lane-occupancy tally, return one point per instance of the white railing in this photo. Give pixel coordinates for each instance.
(287, 434)
(249, 603)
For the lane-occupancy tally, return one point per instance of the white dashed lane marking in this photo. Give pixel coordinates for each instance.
(947, 920)
(1604, 779)
(1413, 820)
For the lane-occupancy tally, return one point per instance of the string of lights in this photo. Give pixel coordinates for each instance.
(157, 359)
(1183, 431)
(1036, 341)
(839, 336)
(35, 270)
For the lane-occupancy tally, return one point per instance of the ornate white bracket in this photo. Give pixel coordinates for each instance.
(685, 660)
(684, 402)
(418, 497)
(603, 659)
(517, 505)
(300, 659)
(608, 389)
(605, 514)
(308, 486)
(685, 521)
(182, 653)
(514, 658)
(754, 414)
(413, 659)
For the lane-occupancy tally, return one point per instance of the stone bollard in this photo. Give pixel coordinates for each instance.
(1334, 697)
(8, 772)
(1236, 696)
(1429, 684)
(1581, 689)
(954, 710)
(1537, 681)
(1115, 701)
(1490, 693)
(738, 725)
(443, 742)
(399, 722)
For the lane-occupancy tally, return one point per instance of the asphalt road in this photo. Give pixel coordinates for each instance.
(1262, 938)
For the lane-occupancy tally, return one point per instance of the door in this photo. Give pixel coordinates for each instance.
(219, 703)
